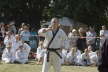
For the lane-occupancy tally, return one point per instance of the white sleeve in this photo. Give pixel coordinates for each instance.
(65, 39)
(6, 41)
(64, 36)
(27, 47)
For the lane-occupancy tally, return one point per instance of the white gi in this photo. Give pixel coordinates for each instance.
(27, 47)
(74, 57)
(7, 56)
(93, 57)
(7, 41)
(22, 54)
(54, 59)
(40, 53)
(64, 54)
(15, 46)
(85, 59)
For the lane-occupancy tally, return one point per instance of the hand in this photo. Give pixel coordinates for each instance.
(47, 29)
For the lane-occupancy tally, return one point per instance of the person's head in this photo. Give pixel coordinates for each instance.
(25, 27)
(89, 48)
(17, 37)
(74, 31)
(22, 24)
(55, 23)
(11, 23)
(40, 43)
(103, 27)
(91, 29)
(86, 51)
(8, 33)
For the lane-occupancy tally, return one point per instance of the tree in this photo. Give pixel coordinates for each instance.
(29, 11)
(90, 12)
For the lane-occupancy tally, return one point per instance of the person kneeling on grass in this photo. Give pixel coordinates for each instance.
(7, 54)
(40, 53)
(21, 55)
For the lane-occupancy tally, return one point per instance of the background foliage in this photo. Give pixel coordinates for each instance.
(90, 12)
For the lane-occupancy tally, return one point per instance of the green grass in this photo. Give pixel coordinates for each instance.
(32, 67)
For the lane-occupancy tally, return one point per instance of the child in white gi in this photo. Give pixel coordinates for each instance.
(93, 56)
(86, 58)
(73, 56)
(21, 55)
(40, 53)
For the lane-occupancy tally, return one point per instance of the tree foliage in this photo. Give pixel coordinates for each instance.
(90, 12)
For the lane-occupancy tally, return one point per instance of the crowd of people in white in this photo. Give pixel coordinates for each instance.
(80, 46)
(17, 47)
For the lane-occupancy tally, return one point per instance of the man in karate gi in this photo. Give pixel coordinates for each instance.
(53, 57)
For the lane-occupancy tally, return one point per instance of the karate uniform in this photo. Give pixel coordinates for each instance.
(93, 58)
(7, 41)
(27, 47)
(74, 58)
(85, 59)
(21, 56)
(7, 56)
(15, 46)
(64, 54)
(40, 53)
(54, 59)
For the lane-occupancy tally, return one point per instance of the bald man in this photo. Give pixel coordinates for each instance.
(52, 56)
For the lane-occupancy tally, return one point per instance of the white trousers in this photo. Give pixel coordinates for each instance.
(54, 60)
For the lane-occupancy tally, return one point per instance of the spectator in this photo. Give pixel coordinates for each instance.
(40, 53)
(73, 56)
(73, 37)
(12, 27)
(81, 42)
(91, 34)
(7, 54)
(103, 35)
(25, 34)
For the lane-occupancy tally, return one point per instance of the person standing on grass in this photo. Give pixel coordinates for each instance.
(54, 38)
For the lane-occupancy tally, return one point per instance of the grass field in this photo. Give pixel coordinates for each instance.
(32, 67)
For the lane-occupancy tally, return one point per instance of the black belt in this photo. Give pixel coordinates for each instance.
(53, 50)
